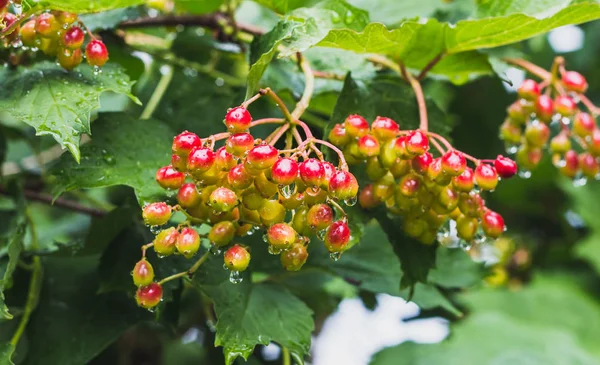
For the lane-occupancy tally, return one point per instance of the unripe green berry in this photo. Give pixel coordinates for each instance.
(299, 222)
(271, 212)
(510, 132)
(466, 227)
(560, 143)
(384, 129)
(281, 236)
(222, 233)
(165, 241)
(294, 258)
(156, 214)
(223, 199)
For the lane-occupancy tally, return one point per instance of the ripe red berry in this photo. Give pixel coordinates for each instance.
(223, 199)
(544, 108)
(529, 90)
(179, 163)
(281, 236)
(149, 296)
(319, 217)
(46, 25)
(338, 135)
(594, 143)
(188, 242)
(240, 143)
(537, 134)
(367, 198)
(505, 167)
(188, 196)
(28, 34)
(143, 273)
(156, 214)
(384, 128)
(421, 163)
(356, 126)
(312, 172)
(409, 185)
(69, 59)
(574, 81)
(237, 258)
(200, 160)
(492, 224)
(417, 143)
(224, 160)
(465, 181)
(165, 240)
(284, 171)
(9, 19)
(169, 178)
(486, 177)
(564, 105)
(570, 165)
(330, 170)
(589, 165)
(96, 53)
(73, 38)
(262, 157)
(399, 146)
(237, 119)
(337, 236)
(222, 233)
(343, 185)
(238, 178)
(185, 142)
(583, 124)
(294, 258)
(368, 146)
(453, 163)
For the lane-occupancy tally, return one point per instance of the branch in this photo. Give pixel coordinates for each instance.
(529, 67)
(416, 85)
(60, 202)
(430, 65)
(309, 87)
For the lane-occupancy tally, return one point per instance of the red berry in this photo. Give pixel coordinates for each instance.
(343, 185)
(564, 105)
(73, 38)
(188, 242)
(544, 108)
(149, 296)
(537, 134)
(169, 178)
(589, 165)
(96, 53)
(312, 172)
(421, 163)
(185, 142)
(529, 90)
(179, 163)
(505, 167)
(237, 119)
(399, 147)
(594, 143)
(319, 217)
(69, 59)
(492, 224)
(337, 236)
(453, 163)
(240, 143)
(384, 128)
(237, 258)
(417, 143)
(367, 198)
(3, 4)
(143, 273)
(28, 34)
(368, 146)
(284, 171)
(188, 196)
(156, 214)
(165, 240)
(262, 157)
(223, 199)
(465, 181)
(570, 165)
(294, 258)
(9, 19)
(338, 135)
(330, 170)
(574, 81)
(46, 25)
(222, 233)
(200, 160)
(238, 178)
(281, 236)
(356, 126)
(409, 185)
(224, 160)
(583, 124)
(486, 177)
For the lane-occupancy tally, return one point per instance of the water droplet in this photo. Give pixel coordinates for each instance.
(265, 238)
(334, 256)
(219, 82)
(155, 229)
(511, 148)
(351, 201)
(349, 18)
(321, 234)
(285, 191)
(235, 277)
(108, 158)
(579, 181)
(215, 250)
(335, 17)
(274, 251)
(97, 70)
(524, 173)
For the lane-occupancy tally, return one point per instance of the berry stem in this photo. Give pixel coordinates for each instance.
(342, 164)
(443, 140)
(305, 128)
(297, 136)
(337, 206)
(437, 146)
(277, 134)
(529, 67)
(589, 105)
(469, 157)
(267, 121)
(178, 208)
(430, 65)
(416, 86)
(159, 92)
(90, 33)
(309, 87)
(277, 100)
(285, 355)
(189, 272)
(247, 103)
(146, 247)
(386, 62)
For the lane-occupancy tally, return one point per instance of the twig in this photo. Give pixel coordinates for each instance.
(159, 92)
(276, 135)
(60, 202)
(589, 105)
(529, 67)
(285, 354)
(385, 62)
(416, 85)
(430, 65)
(189, 272)
(275, 98)
(343, 164)
(309, 87)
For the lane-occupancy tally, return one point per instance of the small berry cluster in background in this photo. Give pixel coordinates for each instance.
(243, 186)
(547, 116)
(56, 33)
(426, 190)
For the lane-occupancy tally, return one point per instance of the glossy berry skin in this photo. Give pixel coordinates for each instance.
(337, 236)
(560, 143)
(384, 129)
(28, 34)
(453, 163)
(169, 178)
(96, 53)
(544, 108)
(368, 146)
(564, 105)
(46, 25)
(271, 212)
(281, 236)
(165, 240)
(73, 38)
(237, 120)
(294, 258)
(223, 199)
(486, 177)
(421, 163)
(319, 217)
(65, 17)
(594, 143)
(367, 198)
(238, 178)
(69, 59)
(529, 90)
(149, 296)
(338, 135)
(356, 126)
(570, 165)
(583, 124)
(188, 196)
(510, 132)
(200, 160)
(574, 81)
(262, 157)
(8, 19)
(466, 227)
(188, 242)
(537, 134)
(505, 167)
(156, 214)
(185, 142)
(240, 143)
(409, 185)
(143, 273)
(222, 233)
(465, 181)
(343, 185)
(312, 172)
(179, 163)
(284, 171)
(417, 143)
(492, 224)
(224, 160)
(237, 258)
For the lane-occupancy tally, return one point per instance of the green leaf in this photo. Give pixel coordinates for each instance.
(6, 353)
(123, 151)
(108, 19)
(278, 6)
(454, 268)
(89, 6)
(14, 248)
(198, 7)
(57, 102)
(391, 12)
(536, 8)
(105, 229)
(250, 314)
(427, 296)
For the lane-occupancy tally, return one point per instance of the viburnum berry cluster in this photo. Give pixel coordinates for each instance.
(244, 185)
(547, 116)
(427, 189)
(56, 33)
